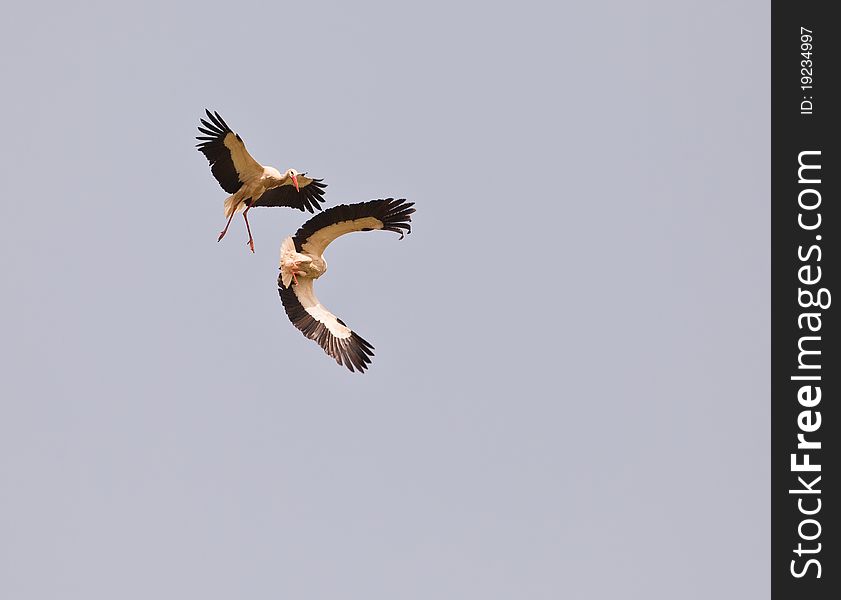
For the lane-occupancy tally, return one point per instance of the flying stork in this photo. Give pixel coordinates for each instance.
(250, 183)
(302, 261)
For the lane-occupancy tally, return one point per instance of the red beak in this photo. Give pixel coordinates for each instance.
(295, 181)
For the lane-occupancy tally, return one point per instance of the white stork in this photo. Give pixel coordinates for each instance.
(302, 261)
(248, 181)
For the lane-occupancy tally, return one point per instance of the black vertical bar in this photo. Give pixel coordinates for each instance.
(805, 369)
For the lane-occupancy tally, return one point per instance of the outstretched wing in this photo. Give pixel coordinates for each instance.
(319, 324)
(388, 215)
(309, 198)
(230, 162)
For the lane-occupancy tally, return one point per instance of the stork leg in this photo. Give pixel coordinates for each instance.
(228, 224)
(294, 269)
(247, 226)
(295, 272)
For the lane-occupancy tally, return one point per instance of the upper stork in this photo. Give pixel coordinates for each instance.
(302, 261)
(250, 183)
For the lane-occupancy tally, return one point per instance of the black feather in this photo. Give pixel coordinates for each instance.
(354, 352)
(395, 215)
(309, 198)
(217, 154)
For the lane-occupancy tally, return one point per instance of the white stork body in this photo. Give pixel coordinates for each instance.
(294, 264)
(255, 185)
(302, 262)
(250, 183)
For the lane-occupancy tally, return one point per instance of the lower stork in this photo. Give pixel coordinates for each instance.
(250, 183)
(302, 262)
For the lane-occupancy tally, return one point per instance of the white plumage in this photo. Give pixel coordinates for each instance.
(302, 261)
(250, 183)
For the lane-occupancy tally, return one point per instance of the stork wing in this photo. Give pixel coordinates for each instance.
(389, 215)
(311, 194)
(230, 162)
(319, 324)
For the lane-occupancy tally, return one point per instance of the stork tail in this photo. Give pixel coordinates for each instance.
(287, 257)
(233, 204)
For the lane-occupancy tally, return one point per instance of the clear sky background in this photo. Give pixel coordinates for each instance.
(570, 393)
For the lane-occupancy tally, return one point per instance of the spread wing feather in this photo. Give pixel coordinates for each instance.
(319, 324)
(388, 214)
(309, 198)
(230, 162)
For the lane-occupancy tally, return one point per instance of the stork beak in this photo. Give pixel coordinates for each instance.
(295, 181)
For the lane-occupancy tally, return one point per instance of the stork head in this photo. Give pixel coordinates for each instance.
(293, 175)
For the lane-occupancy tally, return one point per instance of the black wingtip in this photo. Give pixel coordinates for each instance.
(215, 123)
(395, 216)
(354, 353)
(222, 123)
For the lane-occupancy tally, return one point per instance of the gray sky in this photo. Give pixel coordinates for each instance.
(569, 397)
